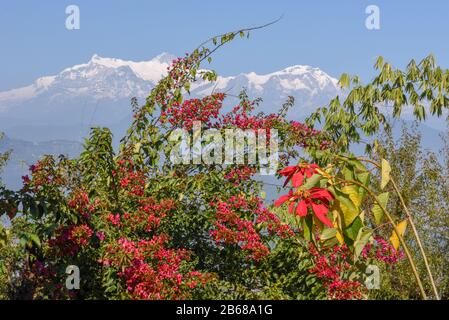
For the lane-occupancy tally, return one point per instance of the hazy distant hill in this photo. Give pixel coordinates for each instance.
(26, 153)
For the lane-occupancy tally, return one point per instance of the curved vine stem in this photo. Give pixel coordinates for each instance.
(234, 33)
(401, 239)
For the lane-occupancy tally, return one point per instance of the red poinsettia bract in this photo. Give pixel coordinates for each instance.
(296, 173)
(301, 200)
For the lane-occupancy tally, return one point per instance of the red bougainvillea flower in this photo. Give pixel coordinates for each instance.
(296, 173)
(316, 198)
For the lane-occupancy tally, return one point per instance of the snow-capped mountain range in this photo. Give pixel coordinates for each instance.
(100, 78)
(98, 92)
(54, 113)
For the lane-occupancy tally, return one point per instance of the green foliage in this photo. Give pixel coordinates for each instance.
(422, 85)
(421, 175)
(12, 255)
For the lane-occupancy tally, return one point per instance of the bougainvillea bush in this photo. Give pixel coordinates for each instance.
(138, 226)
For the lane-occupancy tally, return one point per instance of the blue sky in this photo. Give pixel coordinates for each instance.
(327, 34)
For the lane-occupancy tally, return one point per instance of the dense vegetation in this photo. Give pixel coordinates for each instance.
(139, 226)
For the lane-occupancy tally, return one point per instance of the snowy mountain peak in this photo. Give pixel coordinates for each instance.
(151, 70)
(107, 62)
(164, 57)
(301, 68)
(288, 80)
(95, 57)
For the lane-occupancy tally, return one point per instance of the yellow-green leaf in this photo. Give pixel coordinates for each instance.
(349, 214)
(353, 193)
(385, 169)
(377, 210)
(394, 239)
(340, 237)
(379, 63)
(337, 222)
(344, 80)
(137, 147)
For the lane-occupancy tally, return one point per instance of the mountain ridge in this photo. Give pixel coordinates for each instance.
(153, 69)
(98, 92)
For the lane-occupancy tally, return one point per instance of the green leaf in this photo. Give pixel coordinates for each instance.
(26, 237)
(348, 173)
(187, 87)
(344, 199)
(364, 178)
(35, 238)
(307, 224)
(362, 239)
(311, 182)
(353, 230)
(328, 233)
(356, 164)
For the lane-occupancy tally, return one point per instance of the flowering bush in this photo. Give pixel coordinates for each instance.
(382, 251)
(231, 227)
(205, 110)
(332, 268)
